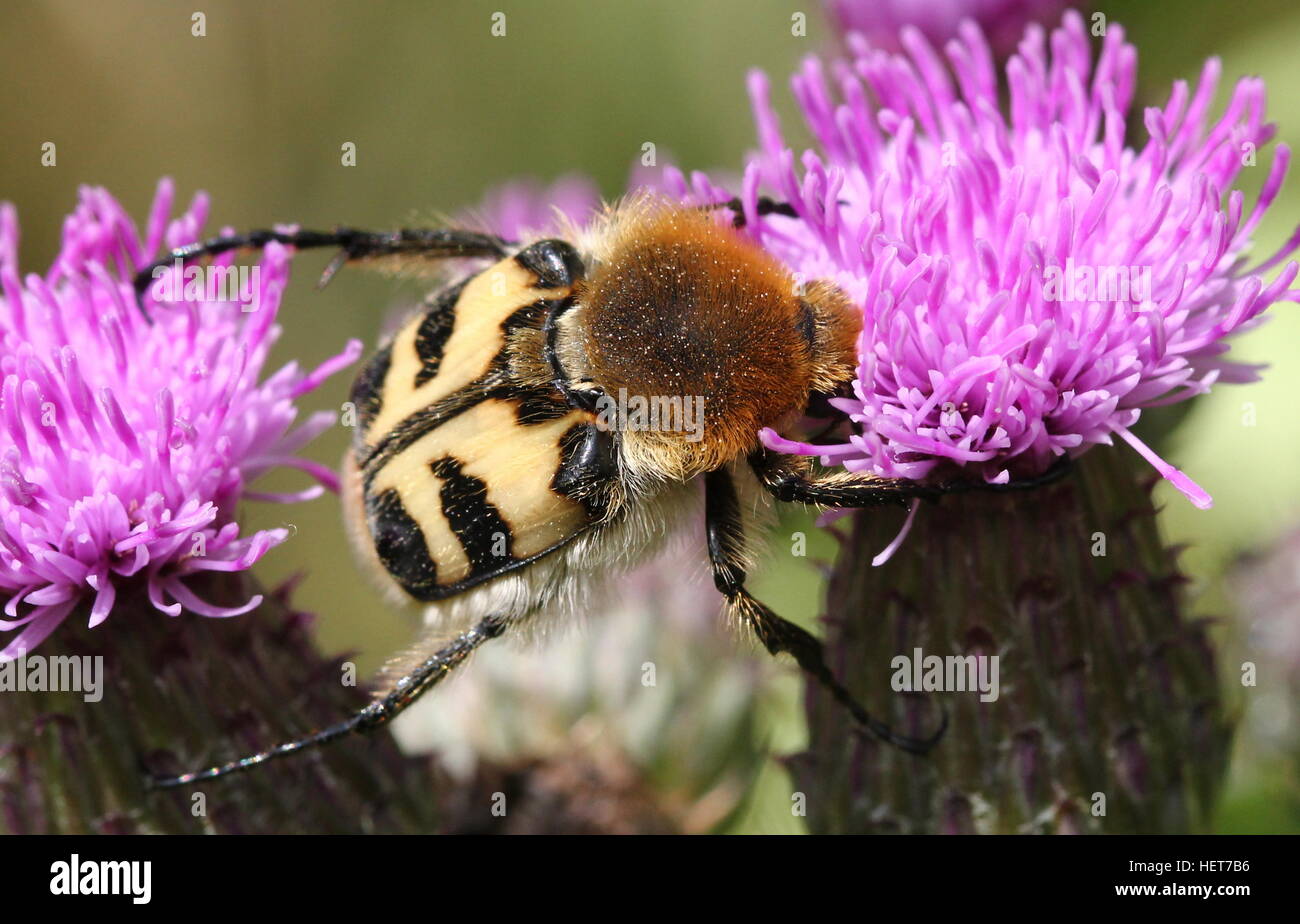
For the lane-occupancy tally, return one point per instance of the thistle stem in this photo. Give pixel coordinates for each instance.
(1107, 716)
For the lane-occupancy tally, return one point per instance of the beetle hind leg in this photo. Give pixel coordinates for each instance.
(401, 693)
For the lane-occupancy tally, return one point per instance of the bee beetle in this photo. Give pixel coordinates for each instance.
(488, 479)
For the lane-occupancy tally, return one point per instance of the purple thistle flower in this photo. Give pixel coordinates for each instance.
(125, 446)
(1001, 21)
(990, 251)
(522, 206)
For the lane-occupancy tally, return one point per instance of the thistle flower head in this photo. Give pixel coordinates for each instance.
(1001, 21)
(125, 445)
(522, 206)
(1029, 280)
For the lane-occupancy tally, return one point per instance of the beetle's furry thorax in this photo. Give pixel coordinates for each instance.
(677, 305)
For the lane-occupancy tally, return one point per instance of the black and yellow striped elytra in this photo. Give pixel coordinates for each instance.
(466, 472)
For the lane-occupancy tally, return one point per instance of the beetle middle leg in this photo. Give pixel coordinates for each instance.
(403, 692)
(726, 542)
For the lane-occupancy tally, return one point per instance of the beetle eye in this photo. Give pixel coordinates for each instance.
(587, 399)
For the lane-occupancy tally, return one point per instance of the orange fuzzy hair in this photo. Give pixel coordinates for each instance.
(678, 304)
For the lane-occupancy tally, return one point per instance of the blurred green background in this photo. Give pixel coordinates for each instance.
(440, 110)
